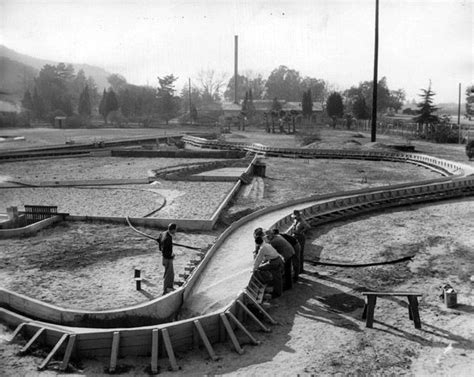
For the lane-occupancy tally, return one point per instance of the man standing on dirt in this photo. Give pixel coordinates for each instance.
(165, 242)
(298, 230)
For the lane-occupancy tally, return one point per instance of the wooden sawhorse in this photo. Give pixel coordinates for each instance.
(371, 300)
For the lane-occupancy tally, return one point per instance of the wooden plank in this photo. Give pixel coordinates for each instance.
(68, 352)
(53, 352)
(272, 321)
(169, 349)
(251, 315)
(154, 351)
(17, 331)
(114, 352)
(231, 334)
(242, 327)
(205, 340)
(32, 340)
(418, 294)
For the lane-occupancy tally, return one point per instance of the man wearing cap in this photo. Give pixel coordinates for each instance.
(298, 230)
(165, 242)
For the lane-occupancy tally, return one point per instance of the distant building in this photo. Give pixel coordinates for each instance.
(8, 107)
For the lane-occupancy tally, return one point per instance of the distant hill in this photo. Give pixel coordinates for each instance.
(15, 78)
(17, 70)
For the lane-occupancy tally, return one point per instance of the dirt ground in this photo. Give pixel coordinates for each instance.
(320, 328)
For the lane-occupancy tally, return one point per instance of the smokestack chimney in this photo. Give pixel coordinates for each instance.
(236, 71)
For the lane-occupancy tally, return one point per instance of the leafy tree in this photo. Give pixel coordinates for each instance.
(193, 113)
(276, 105)
(245, 83)
(470, 100)
(38, 105)
(360, 108)
(117, 82)
(334, 106)
(307, 103)
(284, 83)
(317, 87)
(27, 101)
(85, 107)
(111, 102)
(426, 109)
(127, 103)
(103, 106)
(385, 97)
(211, 85)
(168, 103)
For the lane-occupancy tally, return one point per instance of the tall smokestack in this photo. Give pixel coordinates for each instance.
(236, 70)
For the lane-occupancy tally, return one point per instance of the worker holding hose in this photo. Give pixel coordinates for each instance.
(165, 242)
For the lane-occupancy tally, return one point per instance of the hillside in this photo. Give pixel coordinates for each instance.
(18, 70)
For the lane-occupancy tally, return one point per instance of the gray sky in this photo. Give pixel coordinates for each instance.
(327, 39)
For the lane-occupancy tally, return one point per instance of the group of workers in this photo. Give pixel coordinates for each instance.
(279, 258)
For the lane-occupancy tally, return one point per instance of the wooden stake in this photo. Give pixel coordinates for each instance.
(115, 351)
(231, 334)
(154, 351)
(58, 345)
(205, 340)
(68, 352)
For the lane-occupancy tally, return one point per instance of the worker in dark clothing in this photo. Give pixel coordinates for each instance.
(298, 230)
(165, 242)
(296, 258)
(267, 260)
(284, 248)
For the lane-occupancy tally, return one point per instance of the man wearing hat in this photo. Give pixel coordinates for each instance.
(284, 248)
(165, 242)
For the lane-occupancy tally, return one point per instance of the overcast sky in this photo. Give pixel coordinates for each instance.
(327, 39)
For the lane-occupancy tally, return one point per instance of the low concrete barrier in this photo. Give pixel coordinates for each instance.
(30, 229)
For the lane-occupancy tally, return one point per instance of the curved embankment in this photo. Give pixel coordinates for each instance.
(214, 298)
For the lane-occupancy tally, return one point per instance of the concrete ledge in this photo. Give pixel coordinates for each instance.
(30, 229)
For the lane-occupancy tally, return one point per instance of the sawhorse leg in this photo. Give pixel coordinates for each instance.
(413, 311)
(369, 310)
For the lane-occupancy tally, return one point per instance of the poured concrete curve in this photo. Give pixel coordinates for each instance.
(229, 270)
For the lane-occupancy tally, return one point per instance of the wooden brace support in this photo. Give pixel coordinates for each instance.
(205, 340)
(251, 315)
(242, 327)
(169, 349)
(231, 334)
(53, 352)
(32, 340)
(272, 321)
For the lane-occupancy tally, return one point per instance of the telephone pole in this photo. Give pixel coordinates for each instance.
(236, 60)
(376, 61)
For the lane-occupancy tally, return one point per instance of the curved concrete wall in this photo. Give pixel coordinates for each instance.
(137, 341)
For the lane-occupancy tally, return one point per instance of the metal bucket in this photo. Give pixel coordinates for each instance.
(450, 298)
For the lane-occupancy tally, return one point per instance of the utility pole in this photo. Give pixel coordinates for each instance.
(459, 114)
(236, 60)
(376, 61)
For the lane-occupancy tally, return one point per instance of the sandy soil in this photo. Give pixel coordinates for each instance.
(321, 331)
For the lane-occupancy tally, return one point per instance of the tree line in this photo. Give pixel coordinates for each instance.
(58, 90)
